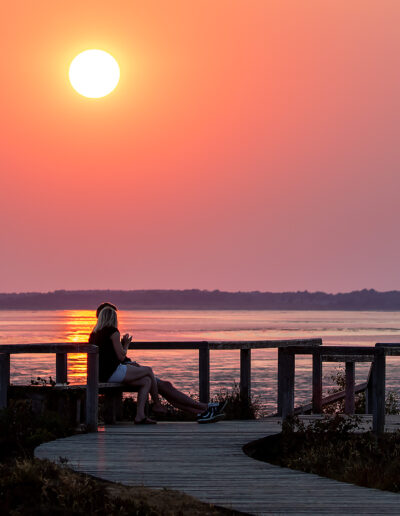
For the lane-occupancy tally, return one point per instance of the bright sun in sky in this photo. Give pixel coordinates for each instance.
(94, 73)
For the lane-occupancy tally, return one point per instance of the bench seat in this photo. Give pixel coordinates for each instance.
(117, 386)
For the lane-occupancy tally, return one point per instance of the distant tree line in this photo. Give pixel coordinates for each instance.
(202, 300)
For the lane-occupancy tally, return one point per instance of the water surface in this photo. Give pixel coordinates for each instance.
(181, 367)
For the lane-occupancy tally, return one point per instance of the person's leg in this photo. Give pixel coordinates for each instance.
(139, 376)
(144, 385)
(178, 399)
(132, 373)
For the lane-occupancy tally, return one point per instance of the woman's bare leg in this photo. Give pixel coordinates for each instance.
(157, 406)
(144, 385)
(178, 399)
(135, 372)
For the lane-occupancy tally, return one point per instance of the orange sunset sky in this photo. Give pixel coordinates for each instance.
(250, 145)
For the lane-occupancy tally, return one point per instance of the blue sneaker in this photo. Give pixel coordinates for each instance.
(211, 415)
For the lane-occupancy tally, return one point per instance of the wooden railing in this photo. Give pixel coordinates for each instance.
(374, 387)
(245, 347)
(204, 347)
(61, 351)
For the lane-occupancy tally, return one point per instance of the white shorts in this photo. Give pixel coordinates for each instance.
(118, 375)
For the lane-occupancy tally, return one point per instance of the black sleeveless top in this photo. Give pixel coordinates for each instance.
(108, 360)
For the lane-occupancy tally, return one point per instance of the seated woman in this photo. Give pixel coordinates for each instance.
(115, 367)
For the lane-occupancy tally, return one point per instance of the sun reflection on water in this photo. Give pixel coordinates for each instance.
(78, 326)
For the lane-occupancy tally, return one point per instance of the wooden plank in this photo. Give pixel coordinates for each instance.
(390, 348)
(167, 345)
(331, 398)
(92, 392)
(335, 350)
(48, 348)
(111, 385)
(317, 383)
(260, 344)
(215, 345)
(4, 378)
(61, 367)
(286, 372)
(204, 374)
(349, 402)
(110, 409)
(378, 410)
(245, 374)
(347, 358)
(182, 456)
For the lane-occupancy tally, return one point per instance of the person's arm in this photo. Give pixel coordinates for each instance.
(119, 348)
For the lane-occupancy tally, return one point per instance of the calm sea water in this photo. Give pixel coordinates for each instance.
(338, 328)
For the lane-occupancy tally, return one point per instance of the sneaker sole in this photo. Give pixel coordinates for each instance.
(214, 419)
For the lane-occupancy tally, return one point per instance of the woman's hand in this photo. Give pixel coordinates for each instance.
(126, 340)
(119, 345)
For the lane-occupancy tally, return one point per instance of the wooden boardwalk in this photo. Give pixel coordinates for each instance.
(206, 461)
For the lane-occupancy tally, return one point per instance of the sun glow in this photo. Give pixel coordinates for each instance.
(94, 73)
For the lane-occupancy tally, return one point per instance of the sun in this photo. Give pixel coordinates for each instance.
(94, 73)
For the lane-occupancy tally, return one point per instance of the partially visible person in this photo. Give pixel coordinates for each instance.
(126, 371)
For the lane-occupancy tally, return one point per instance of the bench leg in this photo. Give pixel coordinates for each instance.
(110, 409)
(119, 411)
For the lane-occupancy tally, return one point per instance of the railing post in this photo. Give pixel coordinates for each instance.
(369, 392)
(379, 383)
(286, 371)
(349, 402)
(204, 372)
(4, 378)
(280, 381)
(92, 391)
(61, 368)
(245, 374)
(317, 382)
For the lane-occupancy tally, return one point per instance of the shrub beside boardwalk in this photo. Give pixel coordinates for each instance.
(334, 447)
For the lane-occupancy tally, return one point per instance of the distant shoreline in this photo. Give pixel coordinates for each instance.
(180, 309)
(357, 301)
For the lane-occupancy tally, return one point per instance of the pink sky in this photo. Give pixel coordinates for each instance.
(248, 146)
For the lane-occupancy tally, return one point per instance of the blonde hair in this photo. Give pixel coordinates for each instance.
(107, 318)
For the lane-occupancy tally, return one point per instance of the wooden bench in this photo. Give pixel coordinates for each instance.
(113, 408)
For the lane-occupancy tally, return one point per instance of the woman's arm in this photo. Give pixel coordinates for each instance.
(119, 349)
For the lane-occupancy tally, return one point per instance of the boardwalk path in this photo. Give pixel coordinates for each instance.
(206, 461)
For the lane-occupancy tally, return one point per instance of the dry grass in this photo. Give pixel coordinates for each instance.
(33, 487)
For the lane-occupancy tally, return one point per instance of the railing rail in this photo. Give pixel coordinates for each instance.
(287, 351)
(245, 347)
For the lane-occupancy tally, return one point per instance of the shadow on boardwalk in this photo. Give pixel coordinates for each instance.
(207, 461)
